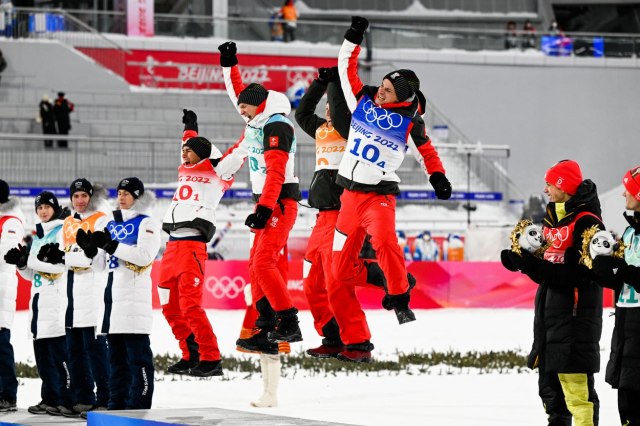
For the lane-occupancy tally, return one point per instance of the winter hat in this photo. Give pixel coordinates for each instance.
(405, 83)
(4, 191)
(631, 182)
(201, 146)
(81, 184)
(133, 186)
(254, 94)
(46, 197)
(566, 175)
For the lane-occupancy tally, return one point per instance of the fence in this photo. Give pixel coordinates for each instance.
(26, 162)
(65, 24)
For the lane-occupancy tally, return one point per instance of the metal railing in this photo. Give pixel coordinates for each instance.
(329, 29)
(58, 24)
(25, 161)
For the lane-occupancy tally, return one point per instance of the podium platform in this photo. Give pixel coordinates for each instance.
(161, 417)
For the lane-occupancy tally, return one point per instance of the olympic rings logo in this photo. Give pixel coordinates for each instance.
(323, 132)
(70, 229)
(120, 232)
(295, 76)
(384, 119)
(225, 287)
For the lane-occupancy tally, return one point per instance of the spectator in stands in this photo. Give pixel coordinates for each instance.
(276, 27)
(554, 29)
(62, 108)
(47, 119)
(623, 276)
(47, 308)
(453, 248)
(511, 36)
(568, 303)
(290, 15)
(404, 246)
(11, 233)
(528, 35)
(3, 64)
(425, 248)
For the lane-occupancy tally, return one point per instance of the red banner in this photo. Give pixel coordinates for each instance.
(202, 70)
(440, 285)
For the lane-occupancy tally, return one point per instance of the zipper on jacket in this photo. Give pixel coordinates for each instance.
(575, 301)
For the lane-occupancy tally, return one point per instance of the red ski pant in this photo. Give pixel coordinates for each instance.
(361, 214)
(268, 244)
(182, 276)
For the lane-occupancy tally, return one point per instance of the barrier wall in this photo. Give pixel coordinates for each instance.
(440, 285)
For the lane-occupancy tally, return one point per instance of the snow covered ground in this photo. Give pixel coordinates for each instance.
(443, 396)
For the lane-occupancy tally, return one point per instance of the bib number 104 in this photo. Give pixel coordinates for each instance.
(371, 153)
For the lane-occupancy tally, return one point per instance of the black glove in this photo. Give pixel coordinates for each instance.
(228, 56)
(610, 271)
(355, 34)
(258, 219)
(441, 185)
(83, 239)
(103, 240)
(327, 75)
(190, 120)
(506, 260)
(17, 256)
(51, 253)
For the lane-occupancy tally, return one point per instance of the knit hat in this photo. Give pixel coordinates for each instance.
(631, 182)
(133, 186)
(565, 175)
(254, 94)
(81, 184)
(405, 83)
(201, 146)
(4, 191)
(46, 197)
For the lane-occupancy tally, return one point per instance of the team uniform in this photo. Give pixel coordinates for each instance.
(270, 141)
(378, 140)
(623, 276)
(191, 223)
(48, 306)
(11, 234)
(86, 281)
(128, 312)
(568, 303)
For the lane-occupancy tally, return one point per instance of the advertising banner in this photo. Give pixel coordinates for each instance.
(140, 18)
(440, 285)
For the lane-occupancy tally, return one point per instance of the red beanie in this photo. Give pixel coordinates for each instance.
(566, 175)
(631, 182)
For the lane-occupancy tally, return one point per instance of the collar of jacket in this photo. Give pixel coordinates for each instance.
(585, 200)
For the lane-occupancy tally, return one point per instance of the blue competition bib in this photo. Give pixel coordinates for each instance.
(378, 136)
(51, 237)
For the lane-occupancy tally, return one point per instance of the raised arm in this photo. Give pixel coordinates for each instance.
(348, 61)
(340, 114)
(232, 77)
(231, 160)
(306, 117)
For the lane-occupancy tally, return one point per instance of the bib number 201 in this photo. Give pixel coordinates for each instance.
(185, 192)
(367, 152)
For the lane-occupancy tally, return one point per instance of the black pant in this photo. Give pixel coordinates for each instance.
(51, 360)
(131, 380)
(88, 364)
(553, 399)
(629, 407)
(8, 380)
(289, 33)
